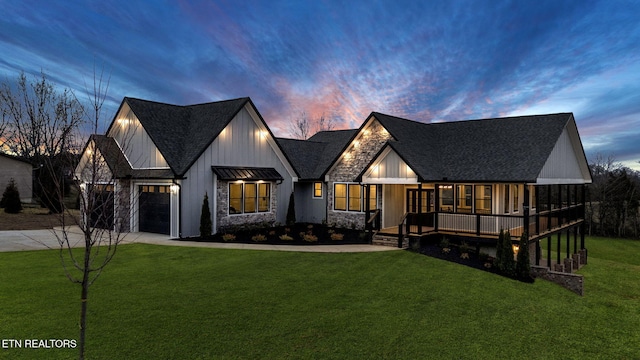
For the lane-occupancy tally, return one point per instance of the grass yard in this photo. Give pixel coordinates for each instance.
(187, 303)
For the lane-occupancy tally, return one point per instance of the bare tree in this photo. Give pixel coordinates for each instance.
(300, 128)
(38, 123)
(303, 127)
(101, 226)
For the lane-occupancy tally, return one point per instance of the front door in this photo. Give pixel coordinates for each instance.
(427, 200)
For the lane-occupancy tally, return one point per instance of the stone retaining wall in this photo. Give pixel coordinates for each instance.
(573, 282)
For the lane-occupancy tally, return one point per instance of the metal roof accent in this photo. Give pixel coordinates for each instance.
(230, 173)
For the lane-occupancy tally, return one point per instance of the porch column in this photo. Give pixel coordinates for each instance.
(367, 207)
(575, 240)
(560, 210)
(536, 191)
(525, 211)
(558, 251)
(436, 205)
(548, 207)
(419, 208)
(568, 243)
(549, 252)
(583, 214)
(538, 252)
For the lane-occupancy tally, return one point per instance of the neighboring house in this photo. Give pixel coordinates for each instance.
(165, 158)
(20, 170)
(396, 176)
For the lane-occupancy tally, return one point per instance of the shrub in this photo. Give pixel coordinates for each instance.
(11, 199)
(337, 237)
(310, 238)
(259, 238)
(205, 218)
(504, 254)
(285, 237)
(228, 237)
(523, 267)
(291, 211)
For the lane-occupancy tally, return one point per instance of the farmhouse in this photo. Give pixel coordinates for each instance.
(20, 171)
(395, 177)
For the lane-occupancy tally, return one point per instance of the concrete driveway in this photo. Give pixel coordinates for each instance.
(21, 240)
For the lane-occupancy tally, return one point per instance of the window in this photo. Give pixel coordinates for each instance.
(464, 198)
(354, 198)
(317, 189)
(340, 197)
(446, 198)
(264, 197)
(516, 193)
(249, 197)
(506, 198)
(349, 197)
(373, 197)
(483, 199)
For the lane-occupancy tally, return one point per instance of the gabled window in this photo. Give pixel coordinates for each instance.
(249, 197)
(317, 190)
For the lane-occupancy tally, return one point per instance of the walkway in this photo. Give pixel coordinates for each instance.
(21, 240)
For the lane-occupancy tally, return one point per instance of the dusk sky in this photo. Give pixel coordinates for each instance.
(429, 61)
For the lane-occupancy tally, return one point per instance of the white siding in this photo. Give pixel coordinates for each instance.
(390, 168)
(134, 141)
(566, 163)
(241, 143)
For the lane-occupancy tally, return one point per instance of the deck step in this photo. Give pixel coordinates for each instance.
(386, 240)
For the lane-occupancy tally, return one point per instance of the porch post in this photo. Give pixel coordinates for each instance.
(584, 214)
(419, 208)
(575, 240)
(436, 205)
(558, 251)
(538, 252)
(568, 243)
(536, 191)
(549, 252)
(525, 210)
(367, 208)
(549, 207)
(560, 211)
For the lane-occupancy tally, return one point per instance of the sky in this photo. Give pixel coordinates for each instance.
(430, 61)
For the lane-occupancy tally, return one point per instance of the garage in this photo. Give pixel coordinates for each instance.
(155, 209)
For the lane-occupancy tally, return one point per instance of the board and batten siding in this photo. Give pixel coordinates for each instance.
(390, 168)
(566, 163)
(241, 143)
(308, 208)
(134, 141)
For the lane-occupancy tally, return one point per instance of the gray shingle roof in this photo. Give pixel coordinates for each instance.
(499, 149)
(312, 158)
(182, 133)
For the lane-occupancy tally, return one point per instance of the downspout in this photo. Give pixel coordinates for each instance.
(179, 207)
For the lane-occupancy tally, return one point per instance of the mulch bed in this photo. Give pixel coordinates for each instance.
(453, 255)
(299, 234)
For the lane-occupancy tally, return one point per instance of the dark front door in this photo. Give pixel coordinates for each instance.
(426, 202)
(155, 209)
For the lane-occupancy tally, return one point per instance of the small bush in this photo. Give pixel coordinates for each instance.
(258, 238)
(291, 211)
(523, 266)
(337, 237)
(11, 198)
(285, 237)
(229, 237)
(310, 238)
(504, 255)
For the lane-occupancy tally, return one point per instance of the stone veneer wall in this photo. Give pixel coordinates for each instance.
(123, 206)
(573, 282)
(222, 212)
(348, 168)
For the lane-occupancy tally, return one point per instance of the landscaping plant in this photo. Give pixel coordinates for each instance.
(11, 199)
(523, 267)
(205, 218)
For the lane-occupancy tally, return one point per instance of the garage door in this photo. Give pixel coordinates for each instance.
(155, 209)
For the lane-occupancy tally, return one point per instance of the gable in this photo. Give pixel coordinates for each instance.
(566, 163)
(389, 168)
(85, 169)
(136, 144)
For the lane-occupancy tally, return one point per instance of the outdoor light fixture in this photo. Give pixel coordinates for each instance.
(516, 248)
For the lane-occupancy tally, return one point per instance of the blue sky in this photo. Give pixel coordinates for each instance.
(423, 60)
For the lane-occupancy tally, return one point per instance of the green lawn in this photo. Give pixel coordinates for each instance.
(157, 302)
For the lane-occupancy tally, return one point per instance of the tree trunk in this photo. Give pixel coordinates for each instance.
(84, 293)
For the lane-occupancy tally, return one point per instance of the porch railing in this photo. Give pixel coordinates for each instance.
(491, 224)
